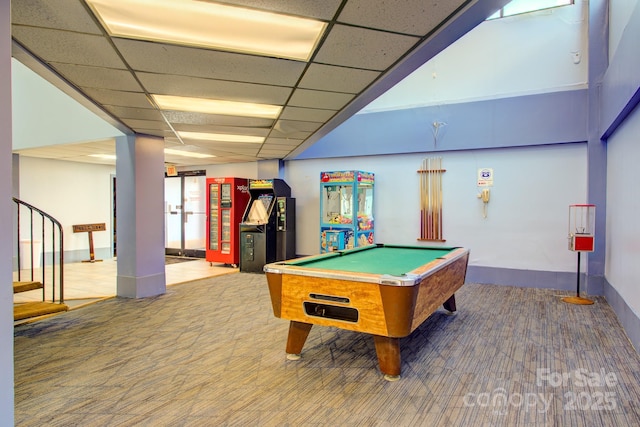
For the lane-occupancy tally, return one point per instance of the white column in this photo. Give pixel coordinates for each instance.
(140, 216)
(6, 221)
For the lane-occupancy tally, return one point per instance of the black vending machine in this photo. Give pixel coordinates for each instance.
(268, 228)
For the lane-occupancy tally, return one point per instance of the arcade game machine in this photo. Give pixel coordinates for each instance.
(267, 232)
(226, 202)
(346, 210)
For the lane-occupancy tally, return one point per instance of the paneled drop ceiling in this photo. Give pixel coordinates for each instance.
(367, 46)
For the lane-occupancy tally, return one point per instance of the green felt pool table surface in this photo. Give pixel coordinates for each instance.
(382, 259)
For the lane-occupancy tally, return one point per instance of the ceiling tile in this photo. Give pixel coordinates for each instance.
(363, 48)
(287, 126)
(169, 84)
(320, 100)
(187, 61)
(60, 14)
(417, 17)
(147, 124)
(337, 79)
(98, 77)
(277, 142)
(273, 153)
(68, 47)
(233, 130)
(307, 114)
(135, 113)
(117, 97)
(325, 9)
(183, 117)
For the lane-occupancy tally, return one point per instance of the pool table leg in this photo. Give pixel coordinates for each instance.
(298, 333)
(450, 304)
(388, 351)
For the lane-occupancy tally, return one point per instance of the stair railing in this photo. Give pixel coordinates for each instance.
(48, 224)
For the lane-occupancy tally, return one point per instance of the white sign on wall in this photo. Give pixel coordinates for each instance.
(485, 177)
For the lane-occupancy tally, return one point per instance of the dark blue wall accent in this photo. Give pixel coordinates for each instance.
(621, 83)
(548, 118)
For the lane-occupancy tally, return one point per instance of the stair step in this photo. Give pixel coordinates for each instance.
(25, 286)
(35, 309)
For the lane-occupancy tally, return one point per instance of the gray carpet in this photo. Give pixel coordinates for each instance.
(211, 353)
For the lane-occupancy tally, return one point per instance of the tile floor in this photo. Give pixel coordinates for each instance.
(85, 282)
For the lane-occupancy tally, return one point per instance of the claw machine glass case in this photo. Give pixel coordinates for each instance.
(346, 210)
(227, 199)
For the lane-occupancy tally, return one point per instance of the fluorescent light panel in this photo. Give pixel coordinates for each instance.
(187, 153)
(217, 106)
(104, 156)
(166, 151)
(221, 137)
(211, 25)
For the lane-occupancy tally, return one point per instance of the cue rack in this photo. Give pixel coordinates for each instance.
(431, 199)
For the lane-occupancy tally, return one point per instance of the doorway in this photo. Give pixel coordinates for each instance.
(185, 214)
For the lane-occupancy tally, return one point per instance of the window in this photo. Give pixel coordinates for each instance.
(523, 6)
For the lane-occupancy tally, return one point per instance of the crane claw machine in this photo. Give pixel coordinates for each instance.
(226, 202)
(346, 210)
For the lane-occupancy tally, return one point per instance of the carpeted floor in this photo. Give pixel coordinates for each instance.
(211, 353)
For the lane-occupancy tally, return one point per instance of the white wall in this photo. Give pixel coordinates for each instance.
(73, 193)
(43, 115)
(527, 222)
(500, 58)
(622, 268)
(237, 170)
(620, 12)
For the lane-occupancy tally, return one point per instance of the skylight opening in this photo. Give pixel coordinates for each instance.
(517, 7)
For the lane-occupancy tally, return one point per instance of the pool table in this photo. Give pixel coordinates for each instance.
(383, 290)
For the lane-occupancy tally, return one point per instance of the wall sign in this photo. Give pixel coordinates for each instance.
(485, 177)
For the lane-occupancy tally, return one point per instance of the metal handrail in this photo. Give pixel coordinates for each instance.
(55, 225)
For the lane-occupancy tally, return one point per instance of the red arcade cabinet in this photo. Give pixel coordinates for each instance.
(227, 199)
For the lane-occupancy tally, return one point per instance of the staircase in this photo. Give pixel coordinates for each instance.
(47, 273)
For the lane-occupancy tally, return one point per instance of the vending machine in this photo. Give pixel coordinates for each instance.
(346, 210)
(226, 202)
(267, 231)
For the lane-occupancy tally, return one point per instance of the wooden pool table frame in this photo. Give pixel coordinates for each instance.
(388, 307)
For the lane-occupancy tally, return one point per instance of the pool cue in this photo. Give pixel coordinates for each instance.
(430, 192)
(431, 199)
(435, 199)
(422, 213)
(440, 198)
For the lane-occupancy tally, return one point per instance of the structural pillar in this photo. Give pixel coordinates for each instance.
(140, 216)
(6, 221)
(596, 147)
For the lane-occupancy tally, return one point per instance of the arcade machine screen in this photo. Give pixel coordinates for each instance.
(259, 211)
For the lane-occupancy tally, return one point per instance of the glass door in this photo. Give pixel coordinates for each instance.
(195, 216)
(185, 217)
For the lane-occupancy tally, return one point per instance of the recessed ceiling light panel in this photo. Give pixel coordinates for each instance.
(221, 137)
(187, 153)
(216, 106)
(211, 25)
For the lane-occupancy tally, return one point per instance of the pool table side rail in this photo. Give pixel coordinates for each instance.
(385, 310)
(410, 279)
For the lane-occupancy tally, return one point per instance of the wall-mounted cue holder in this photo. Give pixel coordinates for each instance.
(431, 199)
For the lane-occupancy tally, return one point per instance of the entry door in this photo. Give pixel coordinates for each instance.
(185, 218)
